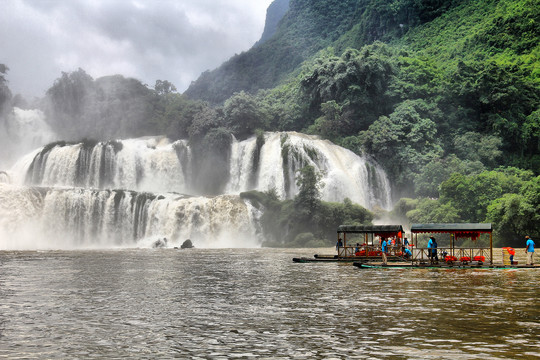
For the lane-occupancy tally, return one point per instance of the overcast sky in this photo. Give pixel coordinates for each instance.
(172, 40)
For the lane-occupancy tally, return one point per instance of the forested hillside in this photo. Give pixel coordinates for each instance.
(444, 94)
(436, 91)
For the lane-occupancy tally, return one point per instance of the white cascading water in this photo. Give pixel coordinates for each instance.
(72, 204)
(20, 132)
(344, 174)
(55, 218)
(156, 165)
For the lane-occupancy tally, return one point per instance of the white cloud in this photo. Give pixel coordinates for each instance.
(171, 40)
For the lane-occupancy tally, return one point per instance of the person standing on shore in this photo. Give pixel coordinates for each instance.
(529, 250)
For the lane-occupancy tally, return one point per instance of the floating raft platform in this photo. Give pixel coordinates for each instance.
(335, 258)
(472, 265)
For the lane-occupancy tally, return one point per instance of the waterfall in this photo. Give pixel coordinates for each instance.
(20, 132)
(45, 218)
(157, 165)
(138, 164)
(131, 193)
(344, 174)
(4, 177)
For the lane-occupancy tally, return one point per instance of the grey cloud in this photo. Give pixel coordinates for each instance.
(168, 39)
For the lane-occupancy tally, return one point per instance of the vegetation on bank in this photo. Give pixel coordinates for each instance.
(306, 220)
(444, 94)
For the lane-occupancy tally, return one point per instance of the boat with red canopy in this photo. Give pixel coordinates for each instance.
(363, 243)
(462, 242)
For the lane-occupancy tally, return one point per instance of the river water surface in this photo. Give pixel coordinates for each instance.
(257, 303)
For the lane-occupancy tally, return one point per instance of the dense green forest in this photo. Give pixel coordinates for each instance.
(444, 94)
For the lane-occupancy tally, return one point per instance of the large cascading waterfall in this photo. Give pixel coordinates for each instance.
(156, 165)
(68, 195)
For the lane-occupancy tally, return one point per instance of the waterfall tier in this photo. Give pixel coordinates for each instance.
(157, 165)
(34, 218)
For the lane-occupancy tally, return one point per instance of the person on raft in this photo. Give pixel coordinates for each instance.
(432, 249)
(529, 250)
(339, 244)
(407, 254)
(384, 249)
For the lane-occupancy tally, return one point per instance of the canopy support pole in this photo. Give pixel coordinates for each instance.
(491, 248)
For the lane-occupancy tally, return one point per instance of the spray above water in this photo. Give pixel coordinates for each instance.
(52, 218)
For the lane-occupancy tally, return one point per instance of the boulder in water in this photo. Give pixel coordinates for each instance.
(187, 244)
(160, 243)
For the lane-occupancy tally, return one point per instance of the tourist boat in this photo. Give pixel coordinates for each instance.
(362, 243)
(466, 246)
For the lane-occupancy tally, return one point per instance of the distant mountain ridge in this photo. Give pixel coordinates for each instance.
(296, 30)
(306, 28)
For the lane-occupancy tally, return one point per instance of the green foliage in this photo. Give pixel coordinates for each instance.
(473, 146)
(404, 141)
(164, 87)
(241, 114)
(350, 91)
(432, 211)
(283, 226)
(472, 194)
(306, 28)
(509, 198)
(211, 161)
(308, 200)
(107, 108)
(517, 214)
(204, 121)
(174, 114)
(432, 174)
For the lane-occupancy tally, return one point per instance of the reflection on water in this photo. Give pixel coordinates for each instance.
(257, 303)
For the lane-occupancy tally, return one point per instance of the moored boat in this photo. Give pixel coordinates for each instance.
(362, 243)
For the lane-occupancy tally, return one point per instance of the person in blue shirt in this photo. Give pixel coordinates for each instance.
(384, 249)
(529, 249)
(404, 245)
(405, 242)
(432, 250)
(339, 244)
(407, 254)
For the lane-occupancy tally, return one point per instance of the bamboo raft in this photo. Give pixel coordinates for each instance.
(443, 265)
(335, 258)
(472, 254)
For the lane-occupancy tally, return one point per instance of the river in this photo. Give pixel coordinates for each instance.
(257, 303)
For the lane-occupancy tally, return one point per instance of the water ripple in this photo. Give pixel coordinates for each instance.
(257, 303)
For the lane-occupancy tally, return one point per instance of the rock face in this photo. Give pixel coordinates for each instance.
(275, 12)
(187, 244)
